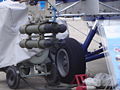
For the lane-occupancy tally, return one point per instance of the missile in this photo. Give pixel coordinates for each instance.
(43, 28)
(29, 44)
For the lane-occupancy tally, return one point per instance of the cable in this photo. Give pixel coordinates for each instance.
(108, 86)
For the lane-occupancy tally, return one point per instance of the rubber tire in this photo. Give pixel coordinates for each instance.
(77, 64)
(53, 78)
(12, 73)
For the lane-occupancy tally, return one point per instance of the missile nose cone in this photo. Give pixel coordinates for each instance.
(62, 28)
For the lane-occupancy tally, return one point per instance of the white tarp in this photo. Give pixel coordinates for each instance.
(12, 16)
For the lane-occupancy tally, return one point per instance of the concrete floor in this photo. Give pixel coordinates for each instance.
(93, 67)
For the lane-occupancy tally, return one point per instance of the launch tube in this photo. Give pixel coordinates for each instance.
(44, 28)
(36, 43)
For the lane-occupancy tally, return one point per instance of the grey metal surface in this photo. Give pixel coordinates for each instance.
(41, 57)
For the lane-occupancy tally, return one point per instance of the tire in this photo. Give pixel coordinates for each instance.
(70, 60)
(12, 77)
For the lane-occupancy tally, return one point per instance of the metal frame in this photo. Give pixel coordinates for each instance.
(90, 56)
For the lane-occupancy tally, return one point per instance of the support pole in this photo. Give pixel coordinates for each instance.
(90, 36)
(94, 57)
(48, 12)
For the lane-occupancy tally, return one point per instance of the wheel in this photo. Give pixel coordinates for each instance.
(53, 78)
(12, 77)
(70, 60)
